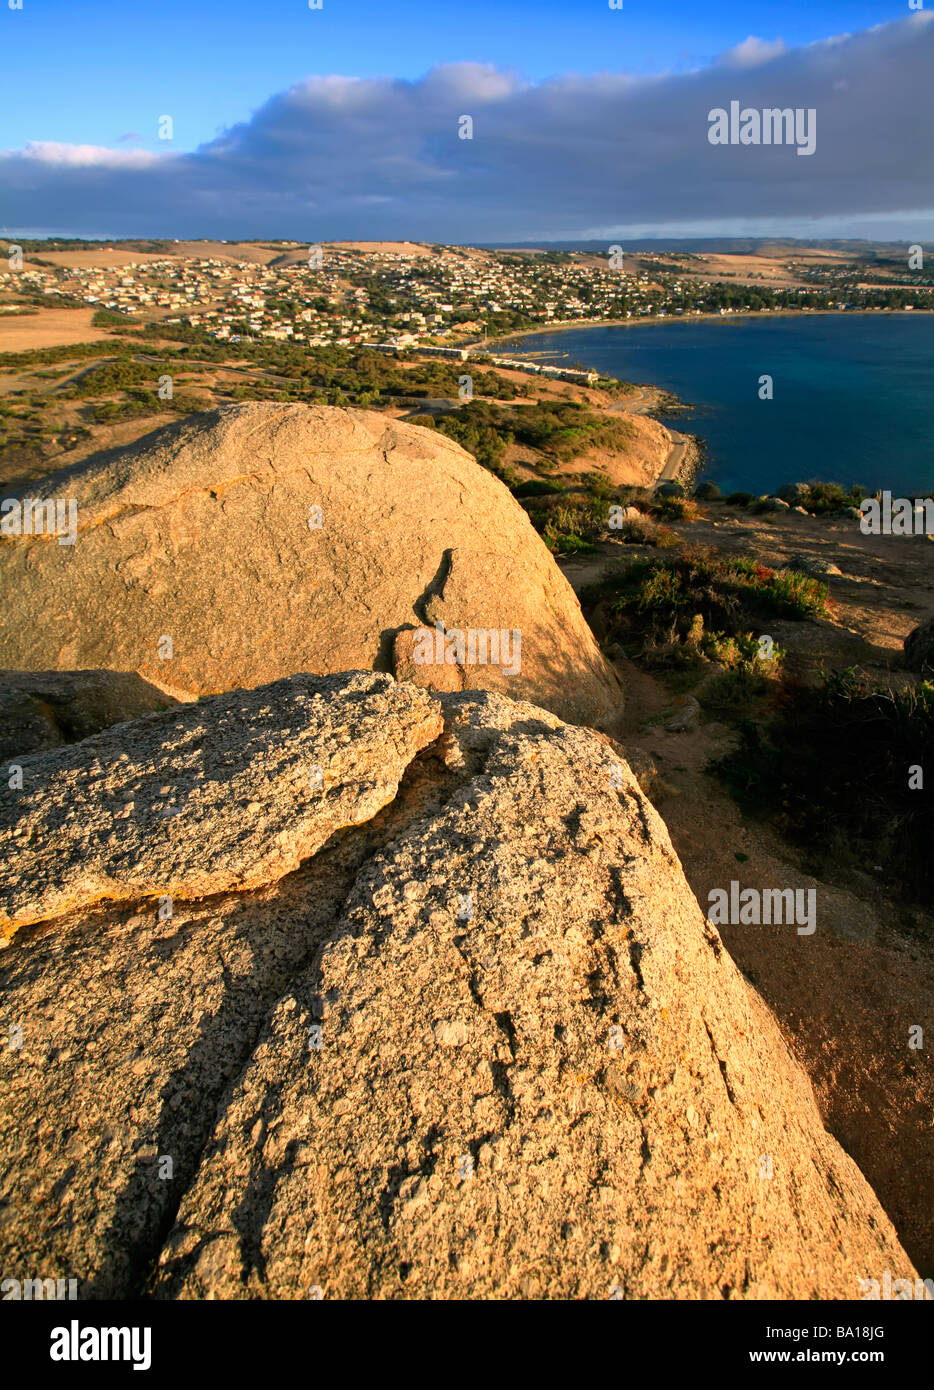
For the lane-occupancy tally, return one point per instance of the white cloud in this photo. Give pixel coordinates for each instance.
(84, 156)
(342, 157)
(753, 52)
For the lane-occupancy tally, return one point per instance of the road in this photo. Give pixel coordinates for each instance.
(641, 402)
(675, 461)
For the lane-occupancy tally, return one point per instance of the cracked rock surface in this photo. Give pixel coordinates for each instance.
(199, 533)
(483, 1044)
(231, 792)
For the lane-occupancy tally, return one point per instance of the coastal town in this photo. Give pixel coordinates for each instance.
(409, 295)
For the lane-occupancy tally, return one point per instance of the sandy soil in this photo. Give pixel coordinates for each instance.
(102, 257)
(764, 269)
(844, 997)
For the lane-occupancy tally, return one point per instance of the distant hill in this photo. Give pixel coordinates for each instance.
(703, 245)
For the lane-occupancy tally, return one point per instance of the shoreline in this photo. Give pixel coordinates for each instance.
(568, 325)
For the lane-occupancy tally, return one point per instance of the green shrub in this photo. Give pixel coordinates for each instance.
(707, 492)
(558, 431)
(474, 432)
(675, 509)
(599, 486)
(735, 693)
(642, 530)
(537, 487)
(107, 318)
(831, 497)
(109, 377)
(104, 412)
(573, 527)
(667, 602)
(779, 593)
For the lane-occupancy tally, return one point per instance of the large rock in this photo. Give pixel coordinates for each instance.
(232, 792)
(44, 709)
(199, 536)
(483, 1045)
(919, 647)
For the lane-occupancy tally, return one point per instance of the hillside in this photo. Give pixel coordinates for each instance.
(848, 996)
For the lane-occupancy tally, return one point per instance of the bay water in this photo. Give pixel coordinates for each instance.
(853, 394)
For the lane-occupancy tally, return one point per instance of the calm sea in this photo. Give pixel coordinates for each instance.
(853, 393)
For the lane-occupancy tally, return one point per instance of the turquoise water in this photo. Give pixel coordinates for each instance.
(853, 393)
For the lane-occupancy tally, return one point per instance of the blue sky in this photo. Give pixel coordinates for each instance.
(263, 146)
(91, 71)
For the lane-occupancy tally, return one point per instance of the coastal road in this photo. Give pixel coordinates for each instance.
(669, 473)
(642, 401)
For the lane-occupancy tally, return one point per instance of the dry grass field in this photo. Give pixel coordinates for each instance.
(47, 328)
(95, 258)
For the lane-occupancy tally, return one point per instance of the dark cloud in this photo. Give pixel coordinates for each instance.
(575, 156)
